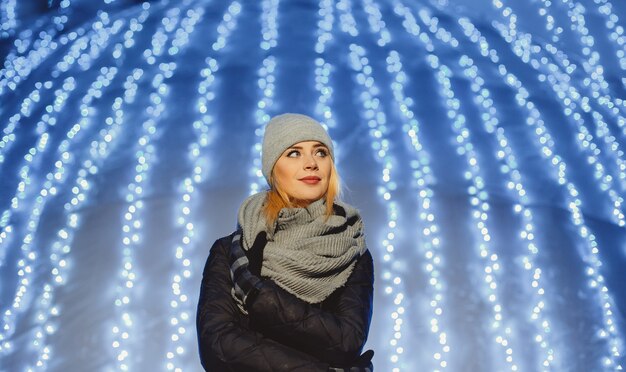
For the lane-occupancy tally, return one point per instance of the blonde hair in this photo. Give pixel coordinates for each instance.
(278, 199)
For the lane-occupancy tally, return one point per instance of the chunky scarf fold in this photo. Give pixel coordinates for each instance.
(306, 254)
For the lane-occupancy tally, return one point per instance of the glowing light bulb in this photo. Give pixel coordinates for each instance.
(266, 86)
(145, 157)
(188, 188)
(373, 115)
(55, 179)
(546, 144)
(74, 81)
(429, 242)
(347, 23)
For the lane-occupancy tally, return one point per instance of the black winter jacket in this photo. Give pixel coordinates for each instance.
(281, 332)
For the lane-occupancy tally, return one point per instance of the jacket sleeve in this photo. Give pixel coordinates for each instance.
(225, 343)
(334, 332)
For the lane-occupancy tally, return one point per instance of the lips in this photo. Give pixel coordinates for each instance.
(311, 180)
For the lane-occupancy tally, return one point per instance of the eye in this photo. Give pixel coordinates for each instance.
(321, 153)
(293, 154)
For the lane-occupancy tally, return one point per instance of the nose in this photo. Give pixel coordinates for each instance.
(310, 163)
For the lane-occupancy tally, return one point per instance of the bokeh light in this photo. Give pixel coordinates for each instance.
(483, 142)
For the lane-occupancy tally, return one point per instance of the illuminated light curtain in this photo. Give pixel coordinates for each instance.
(266, 89)
(182, 304)
(483, 143)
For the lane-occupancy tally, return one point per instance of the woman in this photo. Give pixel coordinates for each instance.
(291, 289)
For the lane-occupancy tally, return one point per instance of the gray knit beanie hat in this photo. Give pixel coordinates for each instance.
(284, 130)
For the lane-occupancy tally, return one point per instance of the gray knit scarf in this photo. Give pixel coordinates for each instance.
(305, 254)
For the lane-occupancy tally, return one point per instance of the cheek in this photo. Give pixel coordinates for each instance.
(326, 169)
(280, 176)
(282, 173)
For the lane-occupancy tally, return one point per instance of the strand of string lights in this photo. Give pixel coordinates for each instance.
(572, 100)
(17, 66)
(594, 70)
(132, 226)
(24, 268)
(266, 85)
(501, 331)
(593, 134)
(46, 45)
(617, 30)
(550, 26)
(6, 223)
(33, 154)
(25, 110)
(182, 308)
(47, 309)
(483, 100)
(145, 157)
(375, 20)
(589, 272)
(269, 27)
(21, 61)
(324, 69)
(74, 55)
(323, 72)
(136, 25)
(590, 256)
(585, 138)
(163, 35)
(568, 96)
(87, 112)
(325, 24)
(180, 317)
(347, 23)
(509, 168)
(370, 101)
(378, 131)
(429, 238)
(227, 26)
(8, 19)
(88, 48)
(546, 143)
(55, 181)
(479, 199)
(479, 196)
(594, 79)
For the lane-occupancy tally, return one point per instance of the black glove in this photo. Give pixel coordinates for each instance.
(245, 284)
(362, 364)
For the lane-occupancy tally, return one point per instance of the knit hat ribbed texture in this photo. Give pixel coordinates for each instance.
(285, 130)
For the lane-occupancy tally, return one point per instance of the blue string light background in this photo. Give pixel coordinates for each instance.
(483, 142)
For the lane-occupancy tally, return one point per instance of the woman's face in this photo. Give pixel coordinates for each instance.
(302, 171)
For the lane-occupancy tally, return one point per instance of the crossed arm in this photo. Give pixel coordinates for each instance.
(283, 333)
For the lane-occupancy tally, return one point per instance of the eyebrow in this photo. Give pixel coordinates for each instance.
(314, 146)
